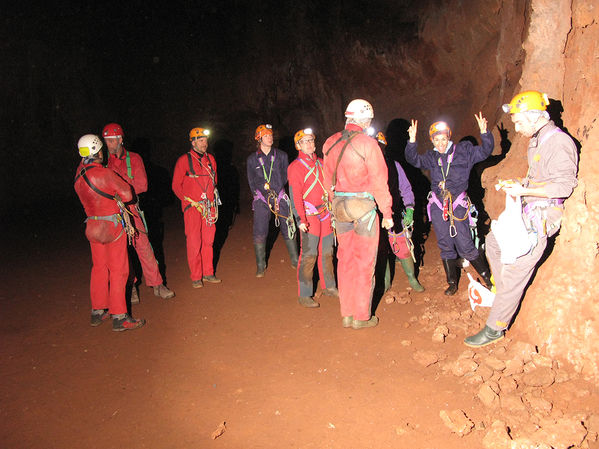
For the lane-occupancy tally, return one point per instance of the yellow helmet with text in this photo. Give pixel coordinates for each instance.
(531, 100)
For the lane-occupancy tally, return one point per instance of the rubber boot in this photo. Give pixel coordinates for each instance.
(260, 249)
(451, 271)
(292, 249)
(408, 267)
(485, 337)
(481, 265)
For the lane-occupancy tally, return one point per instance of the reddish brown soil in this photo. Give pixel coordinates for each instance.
(243, 352)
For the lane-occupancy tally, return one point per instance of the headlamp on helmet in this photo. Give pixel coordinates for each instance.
(89, 145)
(196, 133)
(531, 100)
(262, 131)
(301, 134)
(439, 128)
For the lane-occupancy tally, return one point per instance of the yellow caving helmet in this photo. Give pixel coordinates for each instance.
(196, 133)
(531, 100)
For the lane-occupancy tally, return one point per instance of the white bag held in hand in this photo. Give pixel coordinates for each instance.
(510, 232)
(478, 294)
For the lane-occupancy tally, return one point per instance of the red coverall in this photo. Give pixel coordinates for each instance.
(305, 175)
(361, 169)
(139, 182)
(197, 183)
(107, 239)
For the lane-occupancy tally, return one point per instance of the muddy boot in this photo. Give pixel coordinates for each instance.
(260, 249)
(163, 292)
(292, 249)
(357, 324)
(451, 271)
(347, 321)
(134, 295)
(485, 337)
(331, 291)
(308, 302)
(408, 267)
(481, 265)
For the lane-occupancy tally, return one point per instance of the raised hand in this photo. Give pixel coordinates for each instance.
(482, 122)
(412, 130)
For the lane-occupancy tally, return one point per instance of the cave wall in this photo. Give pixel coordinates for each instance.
(559, 313)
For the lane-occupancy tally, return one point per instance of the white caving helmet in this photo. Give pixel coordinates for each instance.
(89, 145)
(359, 110)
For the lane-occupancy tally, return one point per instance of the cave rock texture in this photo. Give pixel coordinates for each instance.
(233, 65)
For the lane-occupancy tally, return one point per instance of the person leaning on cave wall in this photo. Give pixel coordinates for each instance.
(194, 183)
(551, 178)
(130, 166)
(103, 194)
(356, 181)
(310, 205)
(267, 176)
(449, 206)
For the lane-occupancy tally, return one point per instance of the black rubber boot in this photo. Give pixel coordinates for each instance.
(292, 250)
(481, 265)
(451, 271)
(408, 267)
(485, 337)
(260, 249)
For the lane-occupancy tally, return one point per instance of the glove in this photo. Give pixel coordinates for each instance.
(408, 217)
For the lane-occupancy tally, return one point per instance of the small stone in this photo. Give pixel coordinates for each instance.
(426, 358)
(542, 360)
(485, 372)
(541, 377)
(494, 363)
(508, 384)
(510, 402)
(389, 299)
(487, 396)
(497, 437)
(513, 367)
(463, 366)
(406, 342)
(457, 422)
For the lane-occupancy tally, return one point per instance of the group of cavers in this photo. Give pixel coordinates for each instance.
(343, 198)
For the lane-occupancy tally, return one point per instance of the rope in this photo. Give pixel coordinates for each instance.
(275, 207)
(127, 224)
(204, 207)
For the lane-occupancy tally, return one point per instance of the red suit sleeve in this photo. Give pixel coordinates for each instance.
(179, 176)
(296, 188)
(138, 171)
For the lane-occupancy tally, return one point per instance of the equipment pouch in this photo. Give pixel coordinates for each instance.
(351, 209)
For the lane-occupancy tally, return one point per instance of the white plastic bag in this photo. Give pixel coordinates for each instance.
(479, 295)
(510, 232)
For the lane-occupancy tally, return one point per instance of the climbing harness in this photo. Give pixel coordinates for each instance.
(449, 206)
(274, 202)
(204, 206)
(124, 218)
(311, 209)
(406, 234)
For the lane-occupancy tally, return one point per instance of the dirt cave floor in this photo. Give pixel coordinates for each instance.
(244, 353)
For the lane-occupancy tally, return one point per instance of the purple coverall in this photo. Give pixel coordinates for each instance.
(271, 168)
(452, 167)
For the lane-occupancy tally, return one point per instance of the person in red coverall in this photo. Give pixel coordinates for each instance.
(131, 168)
(194, 183)
(355, 176)
(309, 202)
(100, 191)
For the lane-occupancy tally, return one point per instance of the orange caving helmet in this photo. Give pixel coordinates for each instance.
(196, 133)
(262, 131)
(531, 100)
(301, 134)
(381, 138)
(112, 130)
(438, 128)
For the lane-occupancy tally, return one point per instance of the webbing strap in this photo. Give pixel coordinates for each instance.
(348, 138)
(128, 162)
(82, 174)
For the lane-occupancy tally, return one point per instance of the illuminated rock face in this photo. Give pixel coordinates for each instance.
(297, 64)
